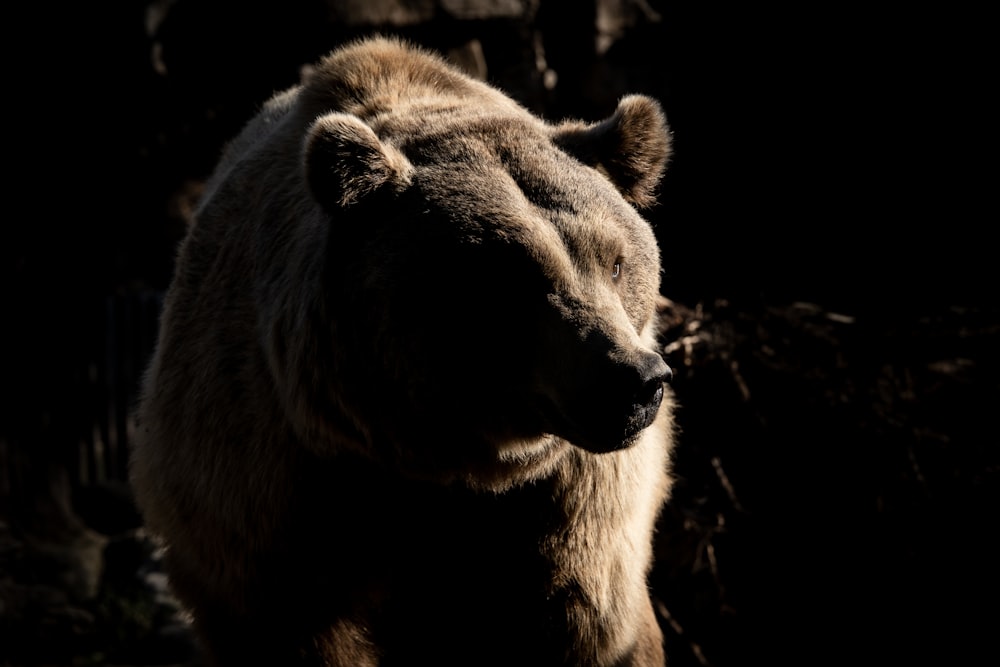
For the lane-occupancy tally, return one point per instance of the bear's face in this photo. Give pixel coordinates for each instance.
(508, 285)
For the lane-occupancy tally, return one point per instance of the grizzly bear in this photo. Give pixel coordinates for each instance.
(406, 406)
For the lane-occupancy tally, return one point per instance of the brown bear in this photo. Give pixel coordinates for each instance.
(406, 406)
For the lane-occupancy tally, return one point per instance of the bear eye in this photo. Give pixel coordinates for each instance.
(616, 270)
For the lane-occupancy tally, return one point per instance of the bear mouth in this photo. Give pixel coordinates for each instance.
(601, 431)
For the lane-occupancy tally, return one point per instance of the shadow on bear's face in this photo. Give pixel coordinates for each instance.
(501, 313)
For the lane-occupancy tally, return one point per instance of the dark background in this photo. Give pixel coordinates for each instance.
(826, 246)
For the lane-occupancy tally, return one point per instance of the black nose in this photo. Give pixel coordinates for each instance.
(653, 372)
(646, 396)
(668, 375)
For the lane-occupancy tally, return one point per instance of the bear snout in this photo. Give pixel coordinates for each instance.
(612, 405)
(653, 374)
(630, 400)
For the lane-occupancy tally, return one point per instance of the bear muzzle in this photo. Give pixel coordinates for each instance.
(613, 405)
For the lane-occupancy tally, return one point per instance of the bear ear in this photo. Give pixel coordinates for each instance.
(345, 161)
(631, 147)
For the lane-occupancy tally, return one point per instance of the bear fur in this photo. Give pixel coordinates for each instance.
(405, 406)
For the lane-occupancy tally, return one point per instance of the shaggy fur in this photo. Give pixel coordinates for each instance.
(405, 407)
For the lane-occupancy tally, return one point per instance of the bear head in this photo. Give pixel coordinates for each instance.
(491, 284)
